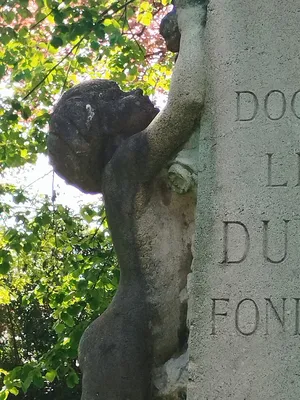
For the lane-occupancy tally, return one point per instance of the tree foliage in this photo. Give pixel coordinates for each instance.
(58, 270)
(48, 46)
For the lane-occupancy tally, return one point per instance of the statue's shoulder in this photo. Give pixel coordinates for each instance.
(130, 161)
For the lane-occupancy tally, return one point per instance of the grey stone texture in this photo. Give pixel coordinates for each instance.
(171, 379)
(245, 308)
(183, 169)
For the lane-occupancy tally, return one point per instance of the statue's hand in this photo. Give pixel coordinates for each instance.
(180, 178)
(175, 124)
(191, 18)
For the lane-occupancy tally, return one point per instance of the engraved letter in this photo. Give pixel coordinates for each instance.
(214, 313)
(270, 184)
(237, 317)
(280, 320)
(283, 101)
(250, 98)
(266, 242)
(226, 241)
(293, 104)
(298, 183)
(297, 319)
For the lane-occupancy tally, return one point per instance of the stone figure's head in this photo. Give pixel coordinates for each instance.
(87, 125)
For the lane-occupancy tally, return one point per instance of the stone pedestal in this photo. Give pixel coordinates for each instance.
(245, 297)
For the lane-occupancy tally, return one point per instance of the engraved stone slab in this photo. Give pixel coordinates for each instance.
(245, 297)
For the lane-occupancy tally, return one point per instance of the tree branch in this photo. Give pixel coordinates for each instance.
(41, 20)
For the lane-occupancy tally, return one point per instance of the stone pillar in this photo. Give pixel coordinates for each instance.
(245, 297)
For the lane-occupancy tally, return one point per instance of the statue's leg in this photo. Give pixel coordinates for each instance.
(114, 355)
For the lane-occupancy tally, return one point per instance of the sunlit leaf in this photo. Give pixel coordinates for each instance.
(4, 394)
(4, 297)
(51, 375)
(14, 391)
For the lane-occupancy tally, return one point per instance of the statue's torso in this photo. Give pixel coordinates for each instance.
(159, 232)
(145, 324)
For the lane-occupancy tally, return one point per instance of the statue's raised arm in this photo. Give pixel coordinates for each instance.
(174, 125)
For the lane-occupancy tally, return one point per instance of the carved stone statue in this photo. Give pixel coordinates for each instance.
(104, 140)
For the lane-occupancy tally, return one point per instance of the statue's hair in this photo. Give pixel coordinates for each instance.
(80, 133)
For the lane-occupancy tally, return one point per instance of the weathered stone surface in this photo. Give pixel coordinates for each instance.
(245, 321)
(170, 380)
(183, 169)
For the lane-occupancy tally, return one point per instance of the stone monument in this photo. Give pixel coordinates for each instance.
(245, 293)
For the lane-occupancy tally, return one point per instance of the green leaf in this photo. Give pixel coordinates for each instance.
(24, 12)
(9, 16)
(20, 198)
(22, 33)
(82, 284)
(4, 267)
(2, 70)
(38, 381)
(39, 16)
(94, 45)
(63, 28)
(12, 117)
(14, 391)
(100, 31)
(26, 112)
(67, 319)
(72, 379)
(3, 371)
(145, 18)
(7, 34)
(56, 42)
(4, 394)
(46, 219)
(16, 105)
(51, 375)
(84, 60)
(59, 328)
(27, 247)
(4, 295)
(27, 383)
(59, 16)
(74, 309)
(23, 75)
(24, 153)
